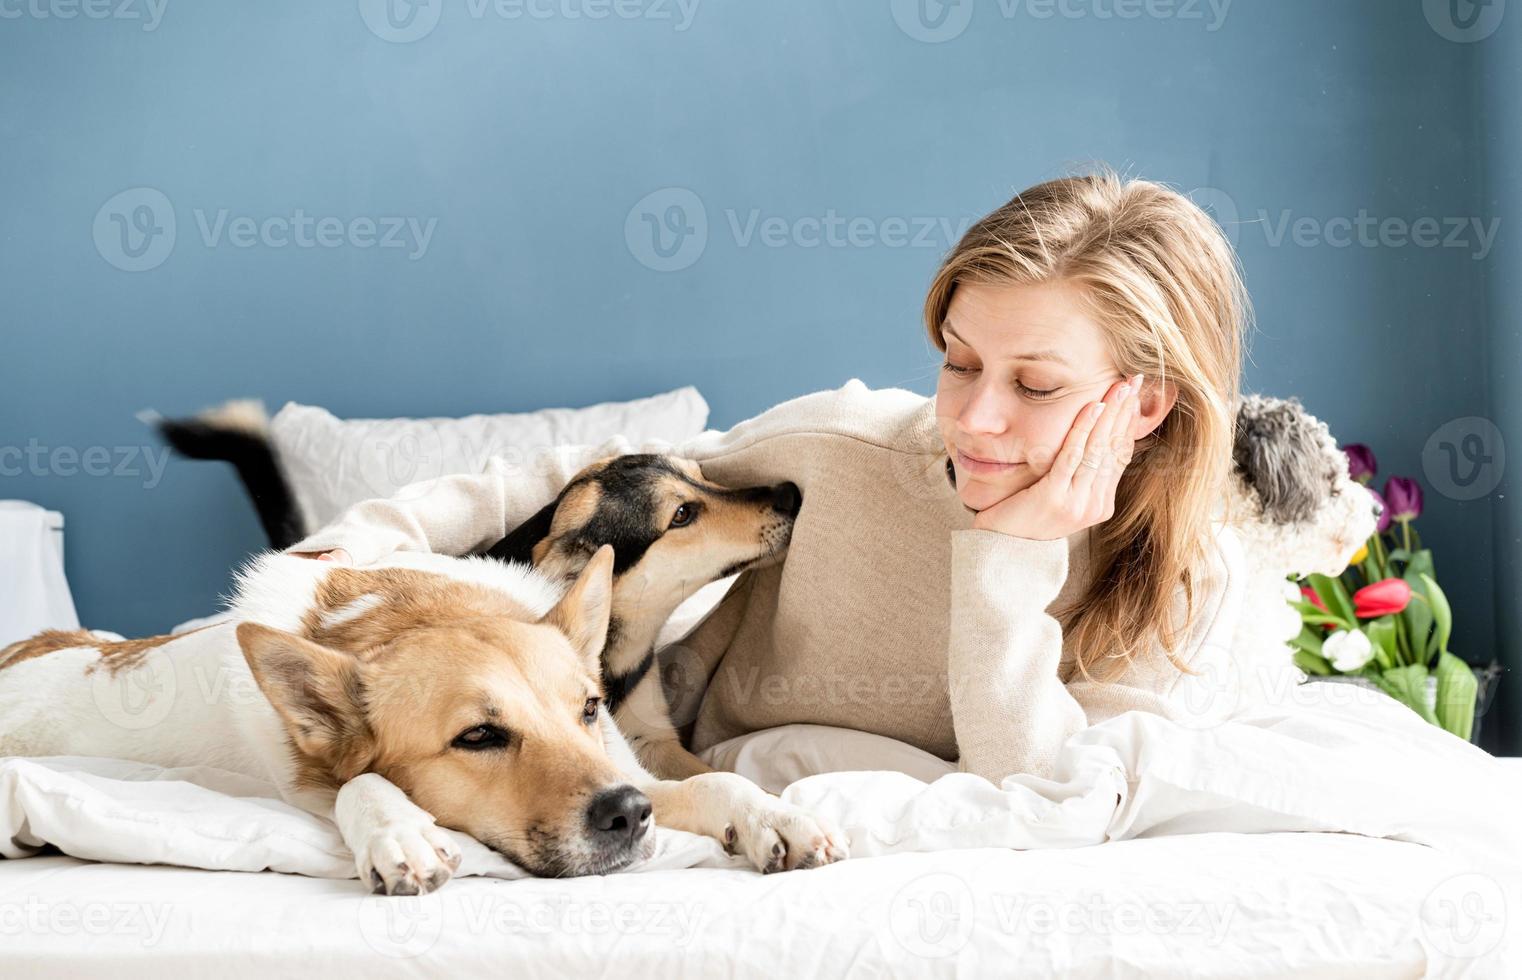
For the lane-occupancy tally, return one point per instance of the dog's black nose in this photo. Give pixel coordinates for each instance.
(620, 815)
(787, 499)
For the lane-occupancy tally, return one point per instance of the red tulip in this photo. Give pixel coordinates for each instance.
(1313, 598)
(1381, 598)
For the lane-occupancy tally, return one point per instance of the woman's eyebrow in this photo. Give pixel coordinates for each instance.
(1037, 355)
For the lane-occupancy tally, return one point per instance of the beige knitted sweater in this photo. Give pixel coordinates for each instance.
(890, 614)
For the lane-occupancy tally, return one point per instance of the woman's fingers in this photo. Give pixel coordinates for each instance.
(1122, 446)
(1071, 454)
(1098, 460)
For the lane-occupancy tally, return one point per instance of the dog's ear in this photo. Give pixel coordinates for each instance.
(582, 613)
(1286, 456)
(318, 692)
(519, 544)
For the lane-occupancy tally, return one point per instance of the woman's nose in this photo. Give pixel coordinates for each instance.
(984, 412)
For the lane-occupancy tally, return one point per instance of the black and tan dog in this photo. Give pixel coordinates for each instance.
(672, 532)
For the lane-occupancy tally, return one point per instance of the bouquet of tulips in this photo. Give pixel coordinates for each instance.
(1384, 619)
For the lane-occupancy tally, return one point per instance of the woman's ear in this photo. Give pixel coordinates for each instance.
(1157, 400)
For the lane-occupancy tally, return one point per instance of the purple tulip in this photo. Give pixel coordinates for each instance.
(1361, 465)
(1404, 496)
(1384, 511)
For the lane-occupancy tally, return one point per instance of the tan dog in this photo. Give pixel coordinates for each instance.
(396, 698)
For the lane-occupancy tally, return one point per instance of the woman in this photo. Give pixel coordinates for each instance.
(986, 573)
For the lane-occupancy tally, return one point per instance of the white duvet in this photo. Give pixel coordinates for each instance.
(1321, 762)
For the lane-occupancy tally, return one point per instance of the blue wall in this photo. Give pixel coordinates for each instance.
(1499, 91)
(527, 141)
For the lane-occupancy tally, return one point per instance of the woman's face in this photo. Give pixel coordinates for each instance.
(1022, 361)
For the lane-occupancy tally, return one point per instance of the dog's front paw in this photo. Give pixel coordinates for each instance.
(407, 859)
(778, 836)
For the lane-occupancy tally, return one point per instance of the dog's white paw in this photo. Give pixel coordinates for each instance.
(407, 859)
(778, 836)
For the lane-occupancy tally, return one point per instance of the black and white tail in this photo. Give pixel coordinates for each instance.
(237, 432)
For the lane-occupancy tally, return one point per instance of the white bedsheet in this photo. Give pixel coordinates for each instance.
(1192, 805)
(1207, 905)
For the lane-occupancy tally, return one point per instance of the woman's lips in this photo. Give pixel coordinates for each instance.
(973, 464)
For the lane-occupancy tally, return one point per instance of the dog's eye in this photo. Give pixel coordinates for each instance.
(589, 710)
(684, 515)
(480, 737)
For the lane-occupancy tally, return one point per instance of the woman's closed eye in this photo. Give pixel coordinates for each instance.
(963, 370)
(1036, 393)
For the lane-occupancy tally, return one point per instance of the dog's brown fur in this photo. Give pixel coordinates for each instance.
(392, 689)
(115, 655)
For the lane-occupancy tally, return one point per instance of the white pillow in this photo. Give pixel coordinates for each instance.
(335, 463)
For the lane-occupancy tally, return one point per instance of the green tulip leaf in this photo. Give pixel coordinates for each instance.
(1442, 614)
(1457, 690)
(1408, 685)
(1417, 617)
(1421, 563)
(1333, 596)
(1313, 664)
(1381, 633)
(1308, 640)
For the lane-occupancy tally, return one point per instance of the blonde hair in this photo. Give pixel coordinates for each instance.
(1162, 280)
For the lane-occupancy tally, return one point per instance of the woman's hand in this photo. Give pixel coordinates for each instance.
(338, 556)
(1075, 493)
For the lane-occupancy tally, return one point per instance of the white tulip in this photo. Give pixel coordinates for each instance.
(1348, 650)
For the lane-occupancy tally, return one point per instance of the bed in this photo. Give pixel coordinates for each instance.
(1111, 871)
(1310, 838)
